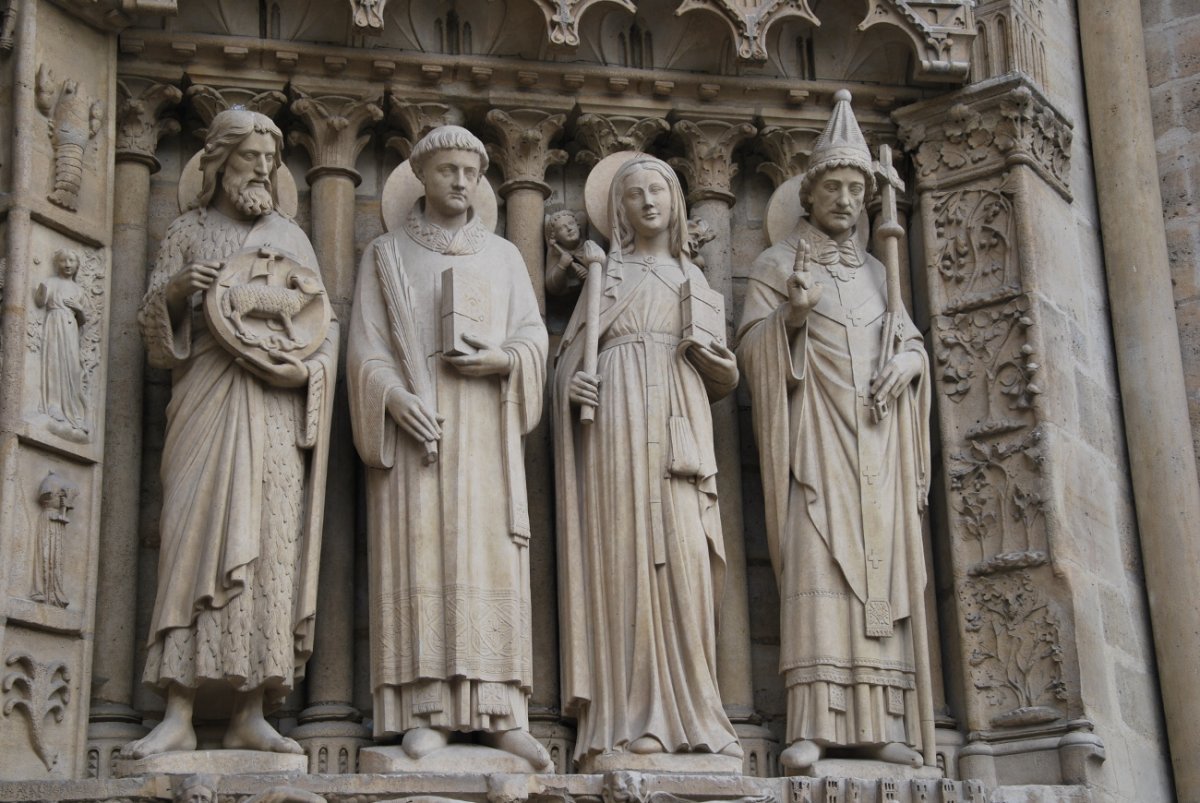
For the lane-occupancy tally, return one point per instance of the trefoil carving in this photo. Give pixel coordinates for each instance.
(750, 21)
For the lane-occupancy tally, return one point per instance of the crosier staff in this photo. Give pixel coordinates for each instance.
(594, 257)
(889, 233)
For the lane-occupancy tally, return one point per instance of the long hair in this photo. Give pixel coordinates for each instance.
(621, 240)
(226, 132)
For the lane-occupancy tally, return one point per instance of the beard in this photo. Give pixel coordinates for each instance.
(251, 199)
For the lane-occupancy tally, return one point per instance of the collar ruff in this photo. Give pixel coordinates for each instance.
(470, 239)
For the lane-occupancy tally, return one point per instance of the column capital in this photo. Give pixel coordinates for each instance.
(333, 123)
(209, 101)
(523, 152)
(140, 124)
(788, 150)
(415, 119)
(708, 165)
(606, 134)
(985, 129)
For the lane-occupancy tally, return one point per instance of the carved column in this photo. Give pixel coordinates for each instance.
(1152, 380)
(1027, 550)
(523, 153)
(330, 726)
(140, 125)
(708, 170)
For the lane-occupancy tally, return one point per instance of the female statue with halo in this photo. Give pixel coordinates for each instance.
(640, 550)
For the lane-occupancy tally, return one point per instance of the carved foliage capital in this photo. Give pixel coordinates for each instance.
(603, 135)
(140, 124)
(331, 133)
(985, 129)
(788, 151)
(209, 101)
(523, 151)
(416, 119)
(708, 165)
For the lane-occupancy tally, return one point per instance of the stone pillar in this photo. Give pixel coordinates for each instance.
(523, 153)
(1158, 431)
(112, 719)
(708, 170)
(1033, 559)
(330, 729)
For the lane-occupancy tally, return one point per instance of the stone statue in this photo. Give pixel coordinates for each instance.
(641, 560)
(844, 445)
(63, 396)
(568, 253)
(243, 464)
(446, 369)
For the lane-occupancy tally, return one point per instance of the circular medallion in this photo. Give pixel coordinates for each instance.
(403, 188)
(191, 180)
(267, 307)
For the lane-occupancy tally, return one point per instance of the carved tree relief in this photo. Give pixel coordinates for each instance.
(974, 253)
(74, 121)
(38, 690)
(1015, 647)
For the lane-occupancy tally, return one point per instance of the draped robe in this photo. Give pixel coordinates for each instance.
(243, 473)
(640, 550)
(843, 495)
(451, 637)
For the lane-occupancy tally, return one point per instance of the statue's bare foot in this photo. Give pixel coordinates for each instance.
(170, 734)
(420, 742)
(801, 755)
(249, 732)
(644, 745)
(897, 753)
(521, 743)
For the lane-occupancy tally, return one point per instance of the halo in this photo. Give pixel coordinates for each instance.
(784, 211)
(191, 180)
(403, 188)
(595, 191)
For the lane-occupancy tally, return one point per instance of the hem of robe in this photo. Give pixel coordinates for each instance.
(457, 704)
(852, 716)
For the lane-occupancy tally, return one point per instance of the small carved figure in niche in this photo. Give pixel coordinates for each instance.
(641, 555)
(838, 377)
(700, 234)
(568, 254)
(73, 122)
(440, 427)
(64, 398)
(56, 497)
(244, 460)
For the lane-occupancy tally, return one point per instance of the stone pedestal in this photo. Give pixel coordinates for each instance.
(214, 762)
(870, 770)
(452, 759)
(682, 763)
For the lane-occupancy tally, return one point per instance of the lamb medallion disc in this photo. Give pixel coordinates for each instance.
(265, 305)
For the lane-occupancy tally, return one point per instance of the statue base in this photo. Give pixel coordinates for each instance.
(691, 763)
(453, 759)
(213, 762)
(868, 770)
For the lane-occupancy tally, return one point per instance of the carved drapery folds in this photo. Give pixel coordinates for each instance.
(604, 134)
(708, 167)
(523, 152)
(140, 120)
(333, 141)
(976, 157)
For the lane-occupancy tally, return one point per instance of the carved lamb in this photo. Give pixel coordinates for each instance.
(272, 303)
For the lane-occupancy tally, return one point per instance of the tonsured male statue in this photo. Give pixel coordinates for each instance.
(844, 447)
(439, 419)
(243, 460)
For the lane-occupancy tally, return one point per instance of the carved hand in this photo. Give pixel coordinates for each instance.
(489, 360)
(195, 277)
(291, 373)
(412, 416)
(584, 389)
(896, 375)
(716, 362)
(803, 290)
